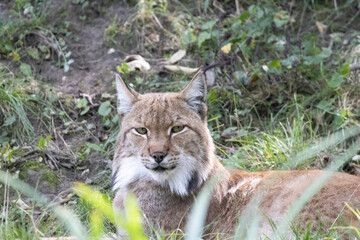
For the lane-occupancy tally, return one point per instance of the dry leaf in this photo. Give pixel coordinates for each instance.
(133, 57)
(321, 27)
(177, 56)
(176, 68)
(88, 97)
(226, 49)
(153, 37)
(137, 62)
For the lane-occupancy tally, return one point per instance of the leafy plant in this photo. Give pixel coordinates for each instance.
(6, 153)
(83, 105)
(43, 143)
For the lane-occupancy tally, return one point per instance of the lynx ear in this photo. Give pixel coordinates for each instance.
(126, 96)
(195, 94)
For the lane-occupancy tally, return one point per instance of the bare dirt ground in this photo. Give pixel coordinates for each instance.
(91, 74)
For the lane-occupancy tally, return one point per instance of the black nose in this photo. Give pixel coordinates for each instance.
(158, 156)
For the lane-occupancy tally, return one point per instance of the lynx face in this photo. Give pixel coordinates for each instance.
(163, 138)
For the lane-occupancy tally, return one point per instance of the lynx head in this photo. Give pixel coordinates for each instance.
(163, 138)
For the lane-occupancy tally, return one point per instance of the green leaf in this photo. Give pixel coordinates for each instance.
(335, 80)
(86, 109)
(245, 15)
(345, 71)
(139, 80)
(107, 123)
(280, 99)
(95, 147)
(316, 59)
(8, 46)
(123, 68)
(34, 53)
(25, 69)
(115, 118)
(85, 4)
(41, 143)
(10, 120)
(104, 109)
(203, 36)
(208, 25)
(66, 67)
(212, 96)
(68, 54)
(274, 64)
(289, 61)
(279, 22)
(326, 105)
(343, 113)
(325, 53)
(206, 5)
(82, 103)
(187, 37)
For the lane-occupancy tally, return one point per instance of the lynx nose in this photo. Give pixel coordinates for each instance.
(158, 156)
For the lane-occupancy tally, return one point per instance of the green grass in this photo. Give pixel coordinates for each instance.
(285, 100)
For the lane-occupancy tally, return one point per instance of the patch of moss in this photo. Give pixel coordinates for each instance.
(47, 174)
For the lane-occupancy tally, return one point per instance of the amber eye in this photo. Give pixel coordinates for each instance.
(177, 129)
(141, 130)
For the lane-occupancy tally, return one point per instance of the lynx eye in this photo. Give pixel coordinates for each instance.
(177, 129)
(141, 131)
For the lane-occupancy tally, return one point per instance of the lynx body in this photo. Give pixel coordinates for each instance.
(165, 154)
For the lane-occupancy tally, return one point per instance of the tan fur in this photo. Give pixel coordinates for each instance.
(165, 197)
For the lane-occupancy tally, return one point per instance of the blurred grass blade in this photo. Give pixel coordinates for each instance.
(355, 212)
(134, 219)
(70, 220)
(131, 223)
(96, 224)
(96, 199)
(197, 217)
(196, 220)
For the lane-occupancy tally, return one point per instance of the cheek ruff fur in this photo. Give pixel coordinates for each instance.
(182, 179)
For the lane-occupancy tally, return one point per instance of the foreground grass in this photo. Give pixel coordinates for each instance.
(288, 86)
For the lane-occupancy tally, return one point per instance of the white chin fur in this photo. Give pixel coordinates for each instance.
(176, 179)
(131, 169)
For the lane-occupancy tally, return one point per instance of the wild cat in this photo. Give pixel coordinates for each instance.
(165, 155)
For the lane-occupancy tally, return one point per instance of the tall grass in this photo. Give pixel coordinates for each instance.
(13, 104)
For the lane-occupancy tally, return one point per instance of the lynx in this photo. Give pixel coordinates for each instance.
(165, 155)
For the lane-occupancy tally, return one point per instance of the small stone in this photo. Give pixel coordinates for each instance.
(110, 51)
(88, 181)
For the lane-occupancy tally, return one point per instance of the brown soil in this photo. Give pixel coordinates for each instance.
(92, 74)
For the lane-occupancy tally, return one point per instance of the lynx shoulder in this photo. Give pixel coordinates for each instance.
(165, 155)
